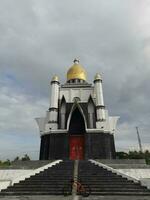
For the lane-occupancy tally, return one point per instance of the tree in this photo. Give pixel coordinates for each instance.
(25, 157)
(17, 158)
(7, 162)
(122, 155)
(147, 156)
(134, 155)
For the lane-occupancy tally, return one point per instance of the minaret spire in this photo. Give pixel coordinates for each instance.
(100, 108)
(53, 109)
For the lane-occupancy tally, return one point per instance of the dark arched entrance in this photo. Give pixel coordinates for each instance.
(76, 135)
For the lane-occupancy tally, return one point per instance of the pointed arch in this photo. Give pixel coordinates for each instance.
(77, 125)
(63, 105)
(91, 112)
(91, 105)
(63, 113)
(77, 111)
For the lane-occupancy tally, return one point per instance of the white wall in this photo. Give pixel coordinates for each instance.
(82, 93)
(7, 176)
(141, 174)
(137, 173)
(15, 176)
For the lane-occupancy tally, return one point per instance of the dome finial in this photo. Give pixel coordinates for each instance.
(76, 61)
(97, 77)
(55, 78)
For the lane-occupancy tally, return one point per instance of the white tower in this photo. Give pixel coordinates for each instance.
(53, 109)
(76, 115)
(100, 108)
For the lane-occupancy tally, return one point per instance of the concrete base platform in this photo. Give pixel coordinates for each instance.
(75, 198)
(115, 198)
(40, 197)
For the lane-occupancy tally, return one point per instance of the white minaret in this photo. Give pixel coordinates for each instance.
(53, 109)
(100, 108)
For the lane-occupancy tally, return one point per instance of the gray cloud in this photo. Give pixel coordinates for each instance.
(41, 38)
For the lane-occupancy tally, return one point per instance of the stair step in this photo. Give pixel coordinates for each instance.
(93, 189)
(32, 193)
(66, 183)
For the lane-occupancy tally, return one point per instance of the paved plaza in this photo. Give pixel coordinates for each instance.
(50, 197)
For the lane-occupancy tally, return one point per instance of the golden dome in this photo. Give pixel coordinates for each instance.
(76, 71)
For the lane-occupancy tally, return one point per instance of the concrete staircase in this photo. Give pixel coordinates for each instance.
(104, 182)
(51, 181)
(48, 182)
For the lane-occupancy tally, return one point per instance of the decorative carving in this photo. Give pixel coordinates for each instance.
(55, 82)
(97, 80)
(100, 107)
(53, 109)
(51, 122)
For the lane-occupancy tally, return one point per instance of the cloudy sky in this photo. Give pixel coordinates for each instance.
(41, 38)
